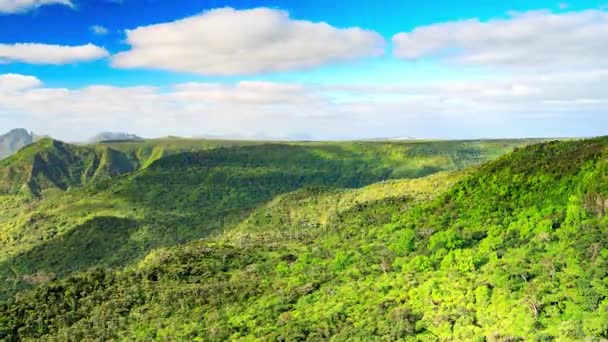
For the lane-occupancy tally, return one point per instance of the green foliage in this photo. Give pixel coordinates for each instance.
(180, 197)
(50, 164)
(310, 249)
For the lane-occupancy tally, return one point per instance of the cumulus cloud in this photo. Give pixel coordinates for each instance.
(537, 39)
(566, 104)
(34, 53)
(99, 30)
(19, 6)
(236, 42)
(16, 82)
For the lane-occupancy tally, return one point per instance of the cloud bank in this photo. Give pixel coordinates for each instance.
(16, 82)
(238, 42)
(555, 105)
(34, 53)
(532, 40)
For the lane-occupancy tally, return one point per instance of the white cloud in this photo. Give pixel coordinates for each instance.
(553, 81)
(16, 82)
(245, 92)
(34, 53)
(564, 104)
(99, 30)
(236, 42)
(20, 6)
(533, 40)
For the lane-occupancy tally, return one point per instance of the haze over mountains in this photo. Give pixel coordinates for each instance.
(114, 136)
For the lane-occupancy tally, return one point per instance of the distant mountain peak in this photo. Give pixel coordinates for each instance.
(18, 131)
(15, 140)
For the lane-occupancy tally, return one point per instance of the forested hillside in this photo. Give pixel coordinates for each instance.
(350, 241)
(51, 164)
(69, 207)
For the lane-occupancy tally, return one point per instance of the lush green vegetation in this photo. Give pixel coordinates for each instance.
(317, 241)
(179, 196)
(259, 258)
(51, 164)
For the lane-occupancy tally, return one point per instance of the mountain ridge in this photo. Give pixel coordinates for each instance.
(50, 163)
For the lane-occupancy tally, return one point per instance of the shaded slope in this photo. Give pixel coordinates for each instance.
(147, 151)
(415, 156)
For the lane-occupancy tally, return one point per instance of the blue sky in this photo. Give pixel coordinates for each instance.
(428, 69)
(71, 26)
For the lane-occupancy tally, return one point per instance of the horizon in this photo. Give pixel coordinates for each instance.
(211, 137)
(301, 71)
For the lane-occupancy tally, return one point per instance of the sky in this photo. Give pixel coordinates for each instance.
(292, 69)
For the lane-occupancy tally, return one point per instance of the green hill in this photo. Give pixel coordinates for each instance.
(54, 165)
(315, 241)
(51, 164)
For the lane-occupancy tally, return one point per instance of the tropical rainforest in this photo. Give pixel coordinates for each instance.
(211, 240)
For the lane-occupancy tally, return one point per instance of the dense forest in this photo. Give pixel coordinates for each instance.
(413, 241)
